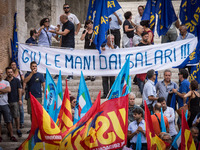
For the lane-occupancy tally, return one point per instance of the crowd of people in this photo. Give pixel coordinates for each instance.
(14, 88)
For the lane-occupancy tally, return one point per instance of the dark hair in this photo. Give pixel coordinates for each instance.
(157, 106)
(32, 32)
(7, 68)
(33, 62)
(138, 111)
(11, 63)
(184, 72)
(141, 6)
(194, 85)
(144, 33)
(150, 73)
(87, 22)
(145, 23)
(65, 4)
(161, 99)
(72, 98)
(127, 14)
(43, 21)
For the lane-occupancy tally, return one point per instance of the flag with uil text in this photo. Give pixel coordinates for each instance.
(50, 96)
(44, 133)
(83, 101)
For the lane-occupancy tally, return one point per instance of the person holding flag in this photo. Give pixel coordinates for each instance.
(135, 128)
(109, 46)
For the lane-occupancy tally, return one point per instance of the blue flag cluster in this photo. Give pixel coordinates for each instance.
(99, 11)
(14, 42)
(166, 15)
(189, 15)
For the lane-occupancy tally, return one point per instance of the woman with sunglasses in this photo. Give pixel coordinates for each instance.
(44, 34)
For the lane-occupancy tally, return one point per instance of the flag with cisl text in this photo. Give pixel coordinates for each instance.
(103, 126)
(44, 133)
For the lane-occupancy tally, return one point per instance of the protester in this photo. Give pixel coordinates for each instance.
(149, 91)
(19, 75)
(115, 20)
(44, 34)
(156, 119)
(33, 38)
(108, 47)
(4, 107)
(14, 97)
(73, 111)
(145, 24)
(167, 139)
(171, 34)
(184, 34)
(128, 28)
(184, 87)
(195, 133)
(132, 107)
(88, 36)
(73, 102)
(144, 41)
(194, 101)
(164, 87)
(71, 17)
(138, 35)
(67, 33)
(135, 127)
(138, 17)
(34, 81)
(170, 114)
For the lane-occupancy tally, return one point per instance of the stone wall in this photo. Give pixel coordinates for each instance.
(7, 11)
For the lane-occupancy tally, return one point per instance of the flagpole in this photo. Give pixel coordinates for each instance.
(43, 145)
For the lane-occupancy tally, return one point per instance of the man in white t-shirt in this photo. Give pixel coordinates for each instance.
(71, 17)
(138, 17)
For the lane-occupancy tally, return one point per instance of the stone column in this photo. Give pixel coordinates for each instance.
(21, 23)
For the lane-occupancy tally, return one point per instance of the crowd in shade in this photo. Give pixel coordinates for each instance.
(165, 99)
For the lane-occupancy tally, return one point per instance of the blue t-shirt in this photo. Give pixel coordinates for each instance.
(13, 96)
(34, 84)
(184, 88)
(31, 40)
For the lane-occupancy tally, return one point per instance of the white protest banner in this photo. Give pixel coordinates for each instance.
(109, 63)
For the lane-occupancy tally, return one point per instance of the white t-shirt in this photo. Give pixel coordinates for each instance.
(4, 97)
(137, 20)
(71, 17)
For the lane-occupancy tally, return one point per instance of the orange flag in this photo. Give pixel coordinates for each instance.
(44, 132)
(64, 120)
(187, 142)
(153, 141)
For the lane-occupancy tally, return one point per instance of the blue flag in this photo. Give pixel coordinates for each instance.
(189, 10)
(103, 8)
(150, 13)
(14, 42)
(121, 86)
(162, 122)
(139, 141)
(166, 16)
(173, 101)
(177, 140)
(50, 96)
(83, 101)
(60, 95)
(91, 10)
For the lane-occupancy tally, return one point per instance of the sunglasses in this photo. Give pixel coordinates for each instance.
(65, 7)
(179, 73)
(47, 21)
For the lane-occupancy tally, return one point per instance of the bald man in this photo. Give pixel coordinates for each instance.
(67, 39)
(137, 37)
